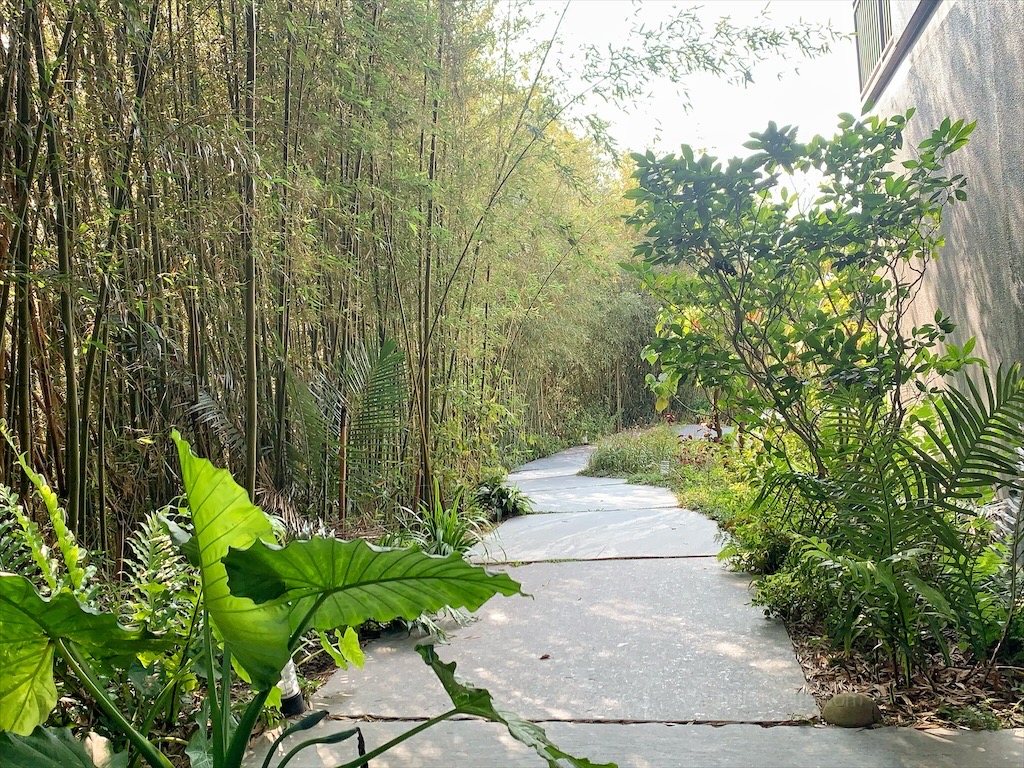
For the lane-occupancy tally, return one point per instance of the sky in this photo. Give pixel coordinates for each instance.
(807, 93)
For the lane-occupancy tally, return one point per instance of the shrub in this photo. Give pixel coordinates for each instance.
(713, 478)
(501, 501)
(439, 527)
(797, 317)
(789, 596)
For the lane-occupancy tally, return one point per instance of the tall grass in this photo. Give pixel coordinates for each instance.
(633, 452)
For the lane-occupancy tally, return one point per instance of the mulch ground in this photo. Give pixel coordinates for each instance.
(961, 695)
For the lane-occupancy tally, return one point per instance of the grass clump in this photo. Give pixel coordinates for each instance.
(633, 452)
(705, 476)
(975, 718)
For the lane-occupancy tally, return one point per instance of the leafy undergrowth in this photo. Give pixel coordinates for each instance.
(709, 478)
(633, 452)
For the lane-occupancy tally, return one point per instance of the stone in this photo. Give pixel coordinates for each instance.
(851, 710)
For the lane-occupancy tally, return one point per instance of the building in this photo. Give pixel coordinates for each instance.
(962, 59)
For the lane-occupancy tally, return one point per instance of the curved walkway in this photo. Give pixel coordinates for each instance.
(637, 647)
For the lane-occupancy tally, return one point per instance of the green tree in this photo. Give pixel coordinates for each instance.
(798, 299)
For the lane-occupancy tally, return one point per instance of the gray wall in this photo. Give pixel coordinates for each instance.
(900, 12)
(969, 63)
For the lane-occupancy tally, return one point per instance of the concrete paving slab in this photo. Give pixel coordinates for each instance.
(606, 640)
(558, 482)
(616, 657)
(475, 744)
(606, 533)
(567, 462)
(592, 497)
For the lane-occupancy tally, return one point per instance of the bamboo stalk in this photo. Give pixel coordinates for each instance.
(248, 249)
(119, 198)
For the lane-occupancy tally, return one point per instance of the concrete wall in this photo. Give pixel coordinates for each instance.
(969, 63)
(900, 12)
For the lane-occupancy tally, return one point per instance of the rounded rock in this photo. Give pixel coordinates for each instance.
(851, 710)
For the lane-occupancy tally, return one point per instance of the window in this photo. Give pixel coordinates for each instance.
(873, 24)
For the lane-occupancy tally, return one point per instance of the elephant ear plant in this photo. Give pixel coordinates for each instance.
(258, 600)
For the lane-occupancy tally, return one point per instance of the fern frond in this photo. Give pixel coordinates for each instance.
(16, 553)
(161, 586)
(32, 538)
(981, 429)
(79, 574)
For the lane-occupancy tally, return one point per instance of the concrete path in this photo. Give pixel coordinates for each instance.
(636, 647)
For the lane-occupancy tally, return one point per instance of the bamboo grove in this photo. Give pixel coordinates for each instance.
(349, 248)
(346, 247)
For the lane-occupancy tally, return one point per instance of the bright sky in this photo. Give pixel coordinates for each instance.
(810, 93)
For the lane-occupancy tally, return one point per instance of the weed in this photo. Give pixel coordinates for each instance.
(650, 478)
(979, 718)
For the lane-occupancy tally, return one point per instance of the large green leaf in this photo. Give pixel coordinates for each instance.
(345, 583)
(224, 517)
(47, 748)
(469, 700)
(29, 628)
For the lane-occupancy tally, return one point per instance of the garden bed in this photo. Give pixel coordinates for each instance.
(958, 696)
(708, 477)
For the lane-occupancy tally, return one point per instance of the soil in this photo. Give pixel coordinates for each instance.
(318, 670)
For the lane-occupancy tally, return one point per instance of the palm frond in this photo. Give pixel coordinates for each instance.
(210, 411)
(375, 384)
(375, 396)
(981, 429)
(310, 425)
